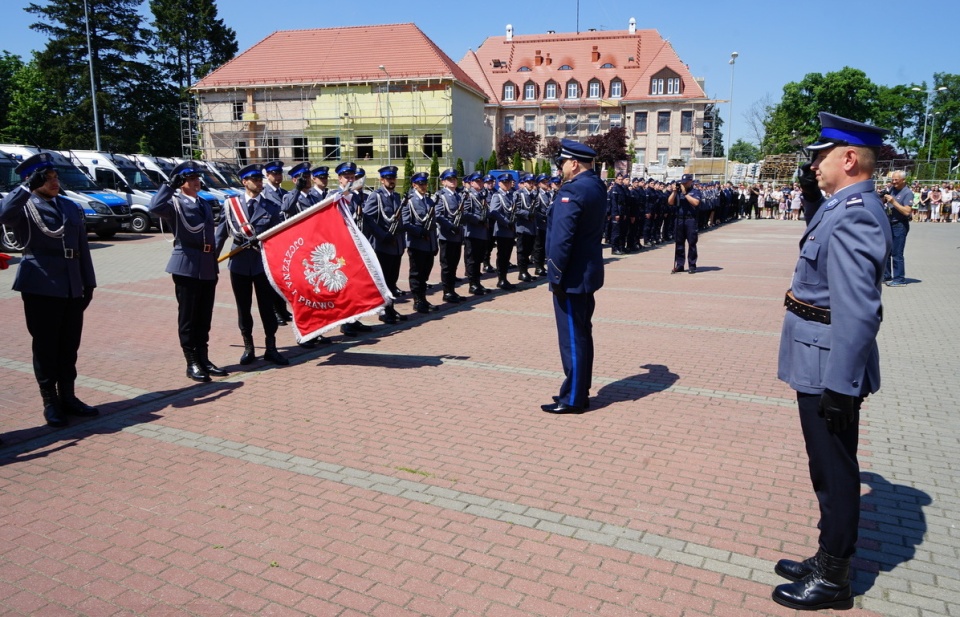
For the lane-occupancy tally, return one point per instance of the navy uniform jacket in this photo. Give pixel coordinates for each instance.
(502, 213)
(544, 199)
(475, 215)
(275, 195)
(448, 202)
(315, 196)
(247, 262)
(526, 201)
(295, 202)
(420, 237)
(193, 254)
(639, 200)
(45, 269)
(574, 233)
(376, 226)
(842, 254)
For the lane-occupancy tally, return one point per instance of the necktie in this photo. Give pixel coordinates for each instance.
(251, 206)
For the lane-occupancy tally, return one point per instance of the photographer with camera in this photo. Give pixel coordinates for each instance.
(898, 202)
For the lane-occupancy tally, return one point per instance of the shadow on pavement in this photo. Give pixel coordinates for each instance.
(892, 526)
(701, 269)
(358, 358)
(657, 378)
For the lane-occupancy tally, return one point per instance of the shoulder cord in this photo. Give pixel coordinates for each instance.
(413, 211)
(383, 215)
(441, 196)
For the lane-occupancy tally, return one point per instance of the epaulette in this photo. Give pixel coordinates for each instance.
(854, 201)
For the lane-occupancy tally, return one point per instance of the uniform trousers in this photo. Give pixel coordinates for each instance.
(195, 298)
(685, 232)
(421, 264)
(539, 250)
(574, 313)
(390, 265)
(524, 250)
(504, 249)
(619, 232)
(473, 256)
(835, 474)
(449, 262)
(244, 287)
(56, 325)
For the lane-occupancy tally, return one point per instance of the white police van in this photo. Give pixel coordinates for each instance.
(120, 175)
(9, 180)
(159, 170)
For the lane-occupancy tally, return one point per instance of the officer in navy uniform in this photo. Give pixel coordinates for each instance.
(619, 213)
(383, 221)
(297, 200)
(637, 209)
(526, 224)
(575, 270)
(828, 347)
(503, 213)
(543, 200)
(272, 191)
(346, 175)
(193, 263)
(475, 231)
(489, 189)
(449, 216)
(55, 280)
(247, 276)
(685, 199)
(652, 214)
(419, 223)
(318, 192)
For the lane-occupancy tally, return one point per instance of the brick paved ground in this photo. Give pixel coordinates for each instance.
(411, 472)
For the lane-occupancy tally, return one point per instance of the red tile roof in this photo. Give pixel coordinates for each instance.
(636, 58)
(338, 55)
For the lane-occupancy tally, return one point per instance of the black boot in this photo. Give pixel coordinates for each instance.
(525, 276)
(51, 407)
(420, 304)
(504, 284)
(271, 354)
(195, 370)
(210, 367)
(249, 351)
(71, 405)
(794, 570)
(827, 586)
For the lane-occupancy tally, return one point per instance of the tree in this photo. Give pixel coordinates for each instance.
(190, 39)
(744, 152)
(523, 142)
(550, 148)
(31, 117)
(461, 172)
(408, 171)
(944, 130)
(434, 173)
(481, 166)
(492, 161)
(712, 135)
(757, 116)
(9, 65)
(610, 146)
(517, 162)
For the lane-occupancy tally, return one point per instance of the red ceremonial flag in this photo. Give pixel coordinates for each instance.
(325, 268)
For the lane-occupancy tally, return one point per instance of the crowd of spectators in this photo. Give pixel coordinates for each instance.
(936, 203)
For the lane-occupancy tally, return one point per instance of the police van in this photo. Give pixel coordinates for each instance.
(9, 180)
(212, 181)
(119, 175)
(104, 213)
(159, 170)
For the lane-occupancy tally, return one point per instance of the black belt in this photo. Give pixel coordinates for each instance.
(806, 311)
(66, 253)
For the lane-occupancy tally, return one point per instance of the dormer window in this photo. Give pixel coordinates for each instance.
(593, 89)
(656, 86)
(616, 89)
(667, 82)
(573, 90)
(673, 85)
(529, 91)
(550, 91)
(509, 92)
(565, 67)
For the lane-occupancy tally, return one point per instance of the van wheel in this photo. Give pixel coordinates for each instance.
(106, 235)
(140, 223)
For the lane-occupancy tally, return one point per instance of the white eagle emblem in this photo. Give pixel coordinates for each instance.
(325, 269)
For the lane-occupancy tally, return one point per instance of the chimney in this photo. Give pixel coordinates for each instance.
(537, 58)
(595, 54)
(633, 26)
(509, 32)
(548, 61)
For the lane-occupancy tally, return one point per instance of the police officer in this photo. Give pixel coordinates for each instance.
(475, 232)
(318, 192)
(272, 191)
(899, 204)
(383, 220)
(828, 347)
(543, 201)
(619, 214)
(637, 208)
(526, 224)
(449, 217)
(55, 280)
(346, 175)
(685, 200)
(419, 223)
(489, 189)
(244, 217)
(575, 270)
(193, 263)
(297, 200)
(503, 213)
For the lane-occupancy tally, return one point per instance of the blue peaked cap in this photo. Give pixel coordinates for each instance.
(36, 162)
(838, 131)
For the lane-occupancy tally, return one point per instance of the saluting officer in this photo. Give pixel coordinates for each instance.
(193, 263)
(575, 270)
(475, 231)
(450, 223)
(318, 192)
(685, 199)
(503, 213)
(828, 347)
(526, 224)
(244, 217)
(55, 280)
(297, 200)
(382, 227)
(543, 201)
(419, 225)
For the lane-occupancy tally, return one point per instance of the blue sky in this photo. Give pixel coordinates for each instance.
(777, 41)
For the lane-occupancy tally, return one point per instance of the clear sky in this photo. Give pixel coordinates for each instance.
(778, 41)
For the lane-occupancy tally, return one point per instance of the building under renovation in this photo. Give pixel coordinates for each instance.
(372, 94)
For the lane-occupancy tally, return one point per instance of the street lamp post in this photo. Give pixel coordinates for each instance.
(389, 153)
(733, 62)
(93, 88)
(933, 124)
(926, 111)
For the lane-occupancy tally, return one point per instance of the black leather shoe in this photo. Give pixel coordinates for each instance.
(249, 351)
(431, 307)
(478, 290)
(794, 570)
(487, 269)
(675, 270)
(505, 285)
(421, 307)
(562, 408)
(452, 297)
(195, 370)
(214, 370)
(539, 272)
(525, 277)
(556, 399)
(53, 416)
(362, 327)
(617, 252)
(306, 345)
(389, 319)
(281, 318)
(348, 329)
(827, 586)
(692, 270)
(273, 356)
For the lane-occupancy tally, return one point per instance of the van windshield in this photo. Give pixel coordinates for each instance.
(72, 179)
(138, 179)
(8, 178)
(212, 181)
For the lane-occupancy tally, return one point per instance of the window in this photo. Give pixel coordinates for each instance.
(656, 86)
(509, 92)
(551, 91)
(616, 89)
(662, 156)
(398, 147)
(508, 125)
(300, 149)
(685, 155)
(565, 67)
(641, 156)
(523, 69)
(242, 157)
(364, 146)
(529, 123)
(616, 120)
(433, 144)
(640, 122)
(331, 148)
(607, 66)
(593, 124)
(107, 179)
(272, 148)
(572, 123)
(529, 91)
(673, 85)
(573, 90)
(593, 89)
(238, 110)
(663, 121)
(551, 123)
(686, 121)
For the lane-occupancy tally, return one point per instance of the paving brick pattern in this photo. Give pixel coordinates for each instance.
(411, 472)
